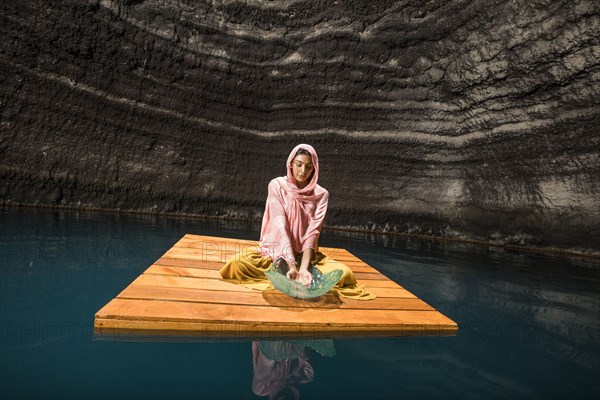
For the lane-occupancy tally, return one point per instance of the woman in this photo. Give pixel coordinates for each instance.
(292, 222)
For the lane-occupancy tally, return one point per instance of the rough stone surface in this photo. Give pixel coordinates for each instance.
(475, 119)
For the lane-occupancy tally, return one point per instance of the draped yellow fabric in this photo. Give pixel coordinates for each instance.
(248, 269)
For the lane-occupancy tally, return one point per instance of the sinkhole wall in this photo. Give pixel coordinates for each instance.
(472, 119)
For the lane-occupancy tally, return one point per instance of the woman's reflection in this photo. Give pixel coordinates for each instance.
(281, 366)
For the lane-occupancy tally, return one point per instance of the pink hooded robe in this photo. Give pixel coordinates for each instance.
(293, 217)
(291, 224)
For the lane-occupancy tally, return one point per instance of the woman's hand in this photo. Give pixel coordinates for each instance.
(302, 276)
(292, 273)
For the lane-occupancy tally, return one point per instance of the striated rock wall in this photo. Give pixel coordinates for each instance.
(476, 119)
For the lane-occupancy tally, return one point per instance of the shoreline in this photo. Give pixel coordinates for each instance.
(590, 254)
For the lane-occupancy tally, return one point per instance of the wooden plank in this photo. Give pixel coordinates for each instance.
(383, 282)
(216, 244)
(233, 245)
(199, 254)
(361, 268)
(191, 283)
(267, 298)
(348, 259)
(366, 276)
(183, 271)
(204, 273)
(202, 330)
(207, 264)
(195, 239)
(178, 262)
(215, 284)
(243, 314)
(337, 252)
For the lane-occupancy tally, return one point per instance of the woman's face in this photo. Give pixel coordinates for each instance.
(302, 168)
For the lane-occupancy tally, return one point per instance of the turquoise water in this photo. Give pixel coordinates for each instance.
(529, 323)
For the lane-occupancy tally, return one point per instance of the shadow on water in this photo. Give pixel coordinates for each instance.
(529, 323)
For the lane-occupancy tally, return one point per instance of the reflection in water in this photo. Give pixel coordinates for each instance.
(281, 366)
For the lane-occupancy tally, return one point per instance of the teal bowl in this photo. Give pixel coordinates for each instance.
(321, 283)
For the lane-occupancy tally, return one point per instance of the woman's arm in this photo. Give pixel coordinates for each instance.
(274, 235)
(310, 246)
(313, 231)
(302, 275)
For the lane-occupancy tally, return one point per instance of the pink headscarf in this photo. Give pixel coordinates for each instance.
(293, 217)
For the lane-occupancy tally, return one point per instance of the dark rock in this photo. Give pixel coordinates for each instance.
(459, 119)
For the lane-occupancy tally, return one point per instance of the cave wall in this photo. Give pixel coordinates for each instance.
(471, 119)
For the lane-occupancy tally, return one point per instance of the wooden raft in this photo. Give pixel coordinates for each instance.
(183, 294)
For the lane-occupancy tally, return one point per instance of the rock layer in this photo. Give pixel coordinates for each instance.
(470, 119)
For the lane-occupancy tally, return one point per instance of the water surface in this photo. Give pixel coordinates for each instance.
(529, 323)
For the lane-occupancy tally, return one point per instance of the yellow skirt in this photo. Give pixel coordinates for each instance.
(248, 269)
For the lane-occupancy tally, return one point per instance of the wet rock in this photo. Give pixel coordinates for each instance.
(465, 119)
